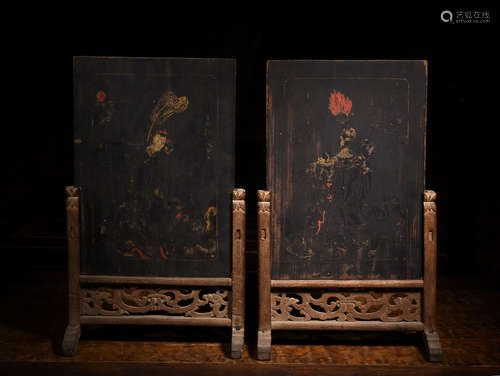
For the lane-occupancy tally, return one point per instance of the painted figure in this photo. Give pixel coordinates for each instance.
(340, 181)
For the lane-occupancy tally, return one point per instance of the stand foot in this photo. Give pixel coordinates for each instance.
(70, 341)
(237, 339)
(264, 345)
(433, 347)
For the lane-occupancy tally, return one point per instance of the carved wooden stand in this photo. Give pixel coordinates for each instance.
(97, 299)
(431, 336)
(72, 334)
(347, 304)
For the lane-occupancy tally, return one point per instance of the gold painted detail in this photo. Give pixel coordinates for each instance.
(160, 143)
(352, 306)
(168, 105)
(159, 194)
(210, 250)
(211, 212)
(109, 301)
(324, 168)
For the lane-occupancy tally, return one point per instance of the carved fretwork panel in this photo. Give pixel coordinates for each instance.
(346, 306)
(175, 302)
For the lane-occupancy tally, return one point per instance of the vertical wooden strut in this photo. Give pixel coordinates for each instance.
(72, 334)
(264, 249)
(238, 274)
(431, 336)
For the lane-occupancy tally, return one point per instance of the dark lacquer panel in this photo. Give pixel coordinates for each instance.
(154, 152)
(346, 150)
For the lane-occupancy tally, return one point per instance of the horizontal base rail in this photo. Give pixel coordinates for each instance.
(346, 325)
(165, 281)
(331, 284)
(155, 320)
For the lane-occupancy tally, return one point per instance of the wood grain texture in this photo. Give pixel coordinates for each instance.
(430, 257)
(345, 325)
(168, 301)
(195, 369)
(72, 333)
(469, 328)
(155, 320)
(349, 284)
(346, 168)
(165, 281)
(154, 154)
(431, 338)
(238, 274)
(264, 250)
(433, 346)
(341, 306)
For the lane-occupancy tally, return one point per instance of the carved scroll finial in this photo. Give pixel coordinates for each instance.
(239, 205)
(429, 202)
(72, 191)
(72, 197)
(239, 194)
(264, 202)
(430, 196)
(264, 196)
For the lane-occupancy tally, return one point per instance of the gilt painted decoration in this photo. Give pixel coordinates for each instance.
(345, 171)
(154, 158)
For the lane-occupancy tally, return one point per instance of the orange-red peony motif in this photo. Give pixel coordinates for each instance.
(339, 104)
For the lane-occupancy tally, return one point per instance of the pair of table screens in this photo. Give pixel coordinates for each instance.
(154, 143)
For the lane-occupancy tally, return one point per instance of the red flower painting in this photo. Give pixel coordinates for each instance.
(101, 96)
(339, 104)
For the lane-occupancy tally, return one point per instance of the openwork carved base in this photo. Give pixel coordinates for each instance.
(115, 301)
(346, 306)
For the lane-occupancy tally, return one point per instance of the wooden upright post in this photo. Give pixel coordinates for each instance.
(72, 334)
(264, 249)
(238, 275)
(431, 336)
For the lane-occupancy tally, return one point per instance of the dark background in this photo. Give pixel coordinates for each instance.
(462, 143)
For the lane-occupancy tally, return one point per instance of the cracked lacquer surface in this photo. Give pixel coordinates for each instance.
(346, 169)
(154, 157)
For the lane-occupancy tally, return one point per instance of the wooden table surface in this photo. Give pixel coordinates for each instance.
(32, 321)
